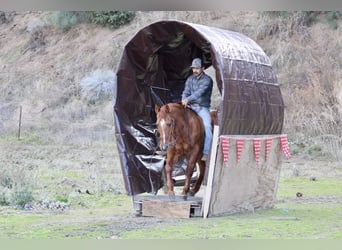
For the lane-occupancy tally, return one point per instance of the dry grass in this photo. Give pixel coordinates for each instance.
(308, 61)
(42, 71)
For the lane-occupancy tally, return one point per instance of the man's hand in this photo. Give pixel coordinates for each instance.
(185, 103)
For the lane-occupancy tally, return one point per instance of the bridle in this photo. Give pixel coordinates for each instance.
(172, 128)
(171, 141)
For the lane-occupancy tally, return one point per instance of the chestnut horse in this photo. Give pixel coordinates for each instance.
(181, 133)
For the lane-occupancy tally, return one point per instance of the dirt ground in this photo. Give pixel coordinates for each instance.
(70, 170)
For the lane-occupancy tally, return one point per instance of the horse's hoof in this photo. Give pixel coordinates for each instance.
(172, 196)
(192, 193)
(184, 195)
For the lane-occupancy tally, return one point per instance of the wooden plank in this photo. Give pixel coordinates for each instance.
(212, 163)
(166, 209)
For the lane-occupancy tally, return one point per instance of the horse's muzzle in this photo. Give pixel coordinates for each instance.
(164, 147)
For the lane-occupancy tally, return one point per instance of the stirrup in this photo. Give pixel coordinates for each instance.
(159, 152)
(204, 157)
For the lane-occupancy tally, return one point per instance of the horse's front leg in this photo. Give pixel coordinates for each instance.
(169, 181)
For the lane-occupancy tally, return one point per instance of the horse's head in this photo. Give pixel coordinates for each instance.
(165, 126)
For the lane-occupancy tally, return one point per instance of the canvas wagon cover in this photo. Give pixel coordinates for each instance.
(153, 68)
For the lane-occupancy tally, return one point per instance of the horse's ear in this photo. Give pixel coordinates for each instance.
(167, 108)
(156, 108)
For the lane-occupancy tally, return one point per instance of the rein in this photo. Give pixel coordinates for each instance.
(187, 121)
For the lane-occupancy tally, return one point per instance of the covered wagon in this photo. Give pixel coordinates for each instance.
(152, 70)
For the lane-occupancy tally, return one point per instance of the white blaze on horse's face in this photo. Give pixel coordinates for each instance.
(162, 125)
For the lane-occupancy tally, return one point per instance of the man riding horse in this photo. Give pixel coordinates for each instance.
(182, 132)
(197, 94)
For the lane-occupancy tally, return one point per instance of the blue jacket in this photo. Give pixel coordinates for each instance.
(198, 91)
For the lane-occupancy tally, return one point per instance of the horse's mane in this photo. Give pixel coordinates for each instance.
(180, 106)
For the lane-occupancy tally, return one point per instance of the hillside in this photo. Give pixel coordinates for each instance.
(41, 69)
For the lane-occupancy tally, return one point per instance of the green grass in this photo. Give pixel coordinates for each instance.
(104, 214)
(89, 221)
(29, 137)
(286, 221)
(322, 186)
(312, 218)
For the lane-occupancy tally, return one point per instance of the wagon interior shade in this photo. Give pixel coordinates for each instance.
(152, 70)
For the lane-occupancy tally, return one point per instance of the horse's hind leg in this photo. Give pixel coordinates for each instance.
(189, 172)
(199, 181)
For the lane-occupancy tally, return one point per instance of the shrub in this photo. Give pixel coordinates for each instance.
(113, 19)
(6, 17)
(332, 17)
(36, 42)
(16, 183)
(35, 24)
(3, 199)
(99, 85)
(64, 20)
(21, 196)
(5, 180)
(62, 199)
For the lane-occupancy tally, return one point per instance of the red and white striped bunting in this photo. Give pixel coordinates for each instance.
(268, 146)
(257, 146)
(239, 147)
(225, 144)
(225, 148)
(285, 146)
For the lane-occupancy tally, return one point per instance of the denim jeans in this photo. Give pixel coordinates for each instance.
(204, 113)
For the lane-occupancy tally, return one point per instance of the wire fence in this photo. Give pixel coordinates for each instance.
(18, 120)
(15, 120)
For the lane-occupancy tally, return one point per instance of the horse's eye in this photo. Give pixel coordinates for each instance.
(168, 124)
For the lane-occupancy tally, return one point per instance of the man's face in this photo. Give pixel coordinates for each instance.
(197, 71)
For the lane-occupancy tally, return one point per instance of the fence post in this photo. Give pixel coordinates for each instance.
(19, 127)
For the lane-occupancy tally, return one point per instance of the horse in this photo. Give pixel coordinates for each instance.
(181, 134)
